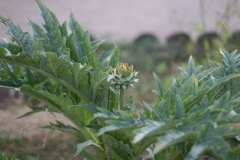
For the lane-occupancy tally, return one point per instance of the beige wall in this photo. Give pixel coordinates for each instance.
(117, 20)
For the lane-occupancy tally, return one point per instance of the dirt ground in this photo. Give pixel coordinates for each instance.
(25, 134)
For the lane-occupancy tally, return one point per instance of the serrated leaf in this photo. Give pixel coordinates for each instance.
(8, 84)
(23, 38)
(223, 101)
(119, 144)
(210, 86)
(216, 145)
(171, 137)
(99, 87)
(53, 28)
(115, 125)
(161, 87)
(104, 113)
(105, 56)
(38, 32)
(11, 47)
(73, 50)
(18, 82)
(51, 22)
(48, 65)
(30, 77)
(191, 68)
(115, 57)
(206, 73)
(189, 87)
(63, 29)
(156, 112)
(65, 128)
(147, 130)
(180, 110)
(82, 146)
(35, 109)
(204, 103)
(82, 41)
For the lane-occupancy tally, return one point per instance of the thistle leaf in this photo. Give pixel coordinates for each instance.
(180, 110)
(82, 146)
(23, 38)
(81, 40)
(115, 57)
(34, 110)
(11, 47)
(147, 130)
(161, 87)
(38, 32)
(51, 23)
(156, 112)
(171, 137)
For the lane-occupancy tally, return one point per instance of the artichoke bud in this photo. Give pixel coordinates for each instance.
(122, 76)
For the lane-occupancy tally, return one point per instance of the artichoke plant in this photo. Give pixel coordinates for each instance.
(120, 78)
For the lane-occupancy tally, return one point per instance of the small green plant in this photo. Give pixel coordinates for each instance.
(194, 118)
(4, 156)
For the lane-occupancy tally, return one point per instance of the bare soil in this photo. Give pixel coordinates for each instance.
(25, 134)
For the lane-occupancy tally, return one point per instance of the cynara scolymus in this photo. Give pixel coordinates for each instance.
(122, 76)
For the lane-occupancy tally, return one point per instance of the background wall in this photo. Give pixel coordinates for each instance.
(126, 20)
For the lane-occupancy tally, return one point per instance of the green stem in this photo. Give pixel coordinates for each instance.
(121, 98)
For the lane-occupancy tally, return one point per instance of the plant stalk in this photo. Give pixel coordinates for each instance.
(121, 99)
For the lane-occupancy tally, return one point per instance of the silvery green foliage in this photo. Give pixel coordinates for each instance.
(192, 118)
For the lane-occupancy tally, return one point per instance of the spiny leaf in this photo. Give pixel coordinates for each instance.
(189, 87)
(191, 68)
(8, 84)
(23, 38)
(49, 65)
(18, 82)
(119, 144)
(81, 40)
(51, 22)
(82, 146)
(34, 110)
(115, 57)
(105, 56)
(209, 86)
(180, 110)
(73, 50)
(161, 87)
(206, 73)
(216, 145)
(171, 137)
(104, 113)
(99, 82)
(223, 101)
(117, 125)
(65, 128)
(156, 112)
(38, 32)
(147, 130)
(128, 122)
(63, 29)
(53, 28)
(11, 47)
